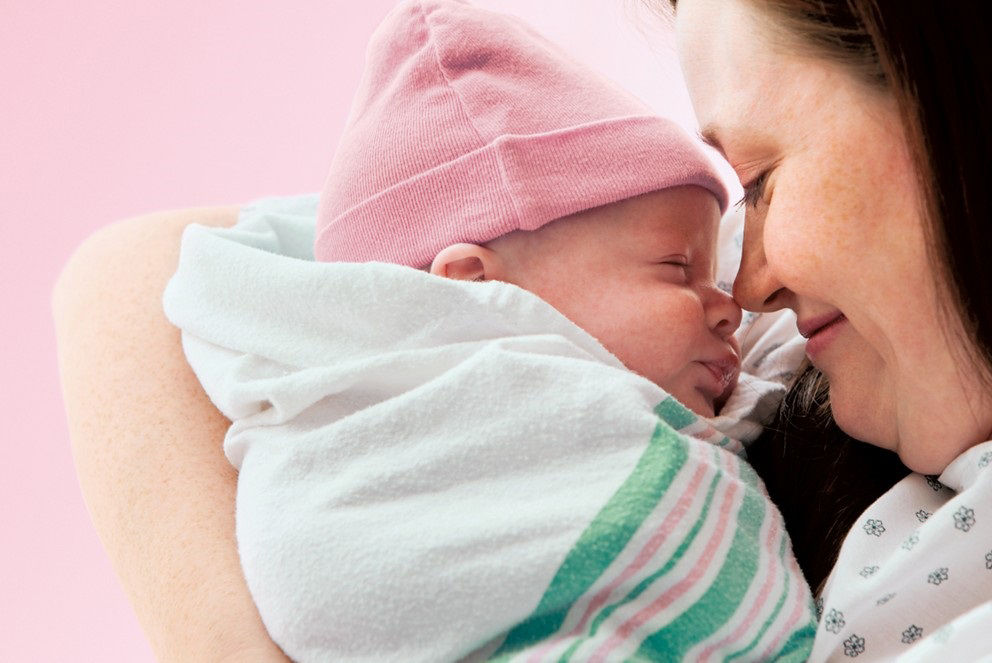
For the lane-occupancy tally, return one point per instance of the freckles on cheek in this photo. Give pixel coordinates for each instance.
(809, 238)
(790, 253)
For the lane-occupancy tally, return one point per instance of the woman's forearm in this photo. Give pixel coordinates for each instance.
(147, 444)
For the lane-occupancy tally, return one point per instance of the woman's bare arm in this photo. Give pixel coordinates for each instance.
(147, 444)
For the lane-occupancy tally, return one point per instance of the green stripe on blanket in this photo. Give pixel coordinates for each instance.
(775, 611)
(675, 414)
(650, 580)
(605, 538)
(724, 595)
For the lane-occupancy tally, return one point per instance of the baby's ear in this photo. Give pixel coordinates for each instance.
(468, 262)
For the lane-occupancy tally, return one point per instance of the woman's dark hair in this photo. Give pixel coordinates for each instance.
(935, 59)
(820, 478)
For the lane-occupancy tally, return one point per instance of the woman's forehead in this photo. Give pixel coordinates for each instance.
(743, 78)
(722, 65)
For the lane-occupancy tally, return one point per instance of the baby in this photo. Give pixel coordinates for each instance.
(488, 154)
(499, 463)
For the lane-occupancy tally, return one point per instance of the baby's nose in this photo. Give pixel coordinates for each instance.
(723, 315)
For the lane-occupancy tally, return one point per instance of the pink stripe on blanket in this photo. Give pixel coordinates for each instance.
(759, 601)
(661, 535)
(797, 612)
(673, 594)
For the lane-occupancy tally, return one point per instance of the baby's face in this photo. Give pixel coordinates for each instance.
(639, 276)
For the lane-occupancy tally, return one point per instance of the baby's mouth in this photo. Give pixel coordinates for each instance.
(724, 371)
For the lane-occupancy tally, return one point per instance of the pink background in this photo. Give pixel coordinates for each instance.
(111, 109)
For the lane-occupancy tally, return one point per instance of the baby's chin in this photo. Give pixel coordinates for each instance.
(696, 401)
(700, 395)
(722, 399)
(702, 403)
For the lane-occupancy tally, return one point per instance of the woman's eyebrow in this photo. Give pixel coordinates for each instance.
(708, 136)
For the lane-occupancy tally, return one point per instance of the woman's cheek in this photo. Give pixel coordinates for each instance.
(800, 239)
(785, 245)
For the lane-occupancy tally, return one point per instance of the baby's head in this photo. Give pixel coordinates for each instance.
(479, 149)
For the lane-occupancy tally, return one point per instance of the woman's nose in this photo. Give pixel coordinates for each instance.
(723, 315)
(756, 288)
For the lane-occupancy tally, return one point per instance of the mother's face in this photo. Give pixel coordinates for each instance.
(834, 231)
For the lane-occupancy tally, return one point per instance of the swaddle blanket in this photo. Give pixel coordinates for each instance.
(438, 470)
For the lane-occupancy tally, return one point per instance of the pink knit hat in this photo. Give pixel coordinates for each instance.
(469, 125)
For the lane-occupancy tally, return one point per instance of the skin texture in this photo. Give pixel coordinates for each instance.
(148, 444)
(836, 228)
(639, 276)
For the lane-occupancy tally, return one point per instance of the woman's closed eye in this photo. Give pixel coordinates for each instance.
(754, 191)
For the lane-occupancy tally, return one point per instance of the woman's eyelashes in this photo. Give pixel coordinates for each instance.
(754, 191)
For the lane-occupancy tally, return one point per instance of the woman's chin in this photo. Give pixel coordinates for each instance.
(925, 437)
(862, 417)
(920, 465)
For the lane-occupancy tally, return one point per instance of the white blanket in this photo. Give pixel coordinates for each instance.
(434, 470)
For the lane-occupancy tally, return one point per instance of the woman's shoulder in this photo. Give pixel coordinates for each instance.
(917, 561)
(147, 246)
(126, 263)
(138, 244)
(107, 307)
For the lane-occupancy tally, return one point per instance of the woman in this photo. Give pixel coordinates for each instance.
(855, 130)
(814, 243)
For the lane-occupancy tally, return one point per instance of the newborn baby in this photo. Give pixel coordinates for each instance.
(499, 463)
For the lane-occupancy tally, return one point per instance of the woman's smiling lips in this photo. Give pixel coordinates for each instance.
(821, 331)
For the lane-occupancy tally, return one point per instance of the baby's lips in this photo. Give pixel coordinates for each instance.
(729, 369)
